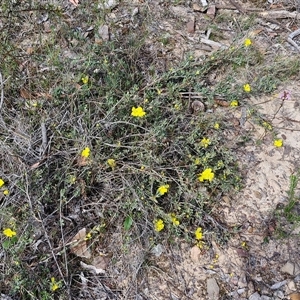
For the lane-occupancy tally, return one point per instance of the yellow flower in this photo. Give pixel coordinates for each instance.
(197, 161)
(234, 103)
(174, 220)
(198, 234)
(1, 182)
(197, 72)
(163, 189)
(278, 143)
(177, 106)
(54, 285)
(6, 192)
(207, 174)
(159, 225)
(247, 42)
(244, 244)
(267, 125)
(205, 142)
(216, 126)
(72, 179)
(220, 164)
(85, 152)
(88, 236)
(111, 162)
(85, 79)
(9, 233)
(158, 92)
(247, 88)
(138, 112)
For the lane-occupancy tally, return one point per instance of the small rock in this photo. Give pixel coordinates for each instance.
(211, 11)
(291, 286)
(212, 289)
(197, 106)
(5, 297)
(195, 252)
(103, 32)
(255, 296)
(197, 7)
(278, 285)
(250, 288)
(108, 4)
(297, 278)
(204, 3)
(157, 250)
(290, 268)
(190, 26)
(264, 297)
(135, 11)
(278, 294)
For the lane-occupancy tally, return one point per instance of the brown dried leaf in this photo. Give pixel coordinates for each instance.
(221, 102)
(79, 245)
(101, 261)
(295, 296)
(25, 94)
(242, 252)
(82, 161)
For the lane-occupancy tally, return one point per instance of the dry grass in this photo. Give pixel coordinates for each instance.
(60, 93)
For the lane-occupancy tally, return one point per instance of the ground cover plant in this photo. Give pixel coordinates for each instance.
(97, 136)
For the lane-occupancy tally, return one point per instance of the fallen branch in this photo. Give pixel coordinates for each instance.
(279, 14)
(290, 39)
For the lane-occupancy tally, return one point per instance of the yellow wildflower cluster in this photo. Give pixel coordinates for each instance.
(85, 152)
(174, 219)
(205, 142)
(5, 191)
(85, 79)
(247, 42)
(54, 285)
(111, 162)
(198, 234)
(159, 225)
(234, 103)
(138, 112)
(207, 174)
(278, 143)
(267, 125)
(9, 232)
(217, 126)
(247, 88)
(163, 189)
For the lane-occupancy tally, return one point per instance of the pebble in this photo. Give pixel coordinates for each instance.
(291, 287)
(255, 296)
(290, 268)
(212, 289)
(191, 26)
(264, 297)
(278, 295)
(278, 285)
